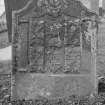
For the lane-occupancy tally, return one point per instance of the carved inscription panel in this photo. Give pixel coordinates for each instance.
(54, 46)
(52, 38)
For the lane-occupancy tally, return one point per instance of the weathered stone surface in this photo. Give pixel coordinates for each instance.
(52, 86)
(22, 52)
(101, 51)
(54, 46)
(52, 43)
(86, 62)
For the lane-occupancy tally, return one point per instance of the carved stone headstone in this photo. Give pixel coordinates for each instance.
(53, 50)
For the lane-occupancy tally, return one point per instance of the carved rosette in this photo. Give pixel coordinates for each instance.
(22, 45)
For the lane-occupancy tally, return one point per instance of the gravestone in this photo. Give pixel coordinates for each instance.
(54, 50)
